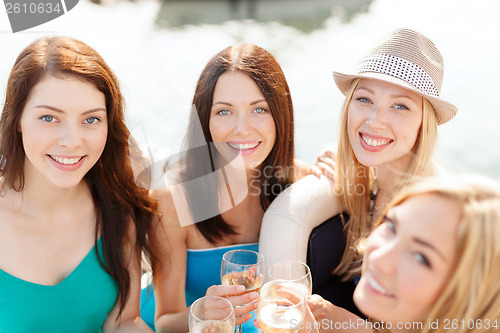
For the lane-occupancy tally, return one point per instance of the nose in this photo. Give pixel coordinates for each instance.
(377, 119)
(70, 136)
(384, 257)
(242, 125)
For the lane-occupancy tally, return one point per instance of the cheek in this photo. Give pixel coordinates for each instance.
(420, 290)
(271, 129)
(353, 123)
(411, 128)
(31, 137)
(265, 128)
(99, 140)
(410, 136)
(216, 129)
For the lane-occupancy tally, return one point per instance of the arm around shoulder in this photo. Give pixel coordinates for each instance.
(290, 218)
(301, 169)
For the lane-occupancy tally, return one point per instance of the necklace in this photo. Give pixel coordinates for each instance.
(373, 198)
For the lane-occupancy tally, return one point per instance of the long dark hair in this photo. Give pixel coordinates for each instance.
(265, 71)
(119, 201)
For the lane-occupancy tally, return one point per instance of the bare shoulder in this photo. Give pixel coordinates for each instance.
(301, 169)
(168, 237)
(169, 217)
(166, 207)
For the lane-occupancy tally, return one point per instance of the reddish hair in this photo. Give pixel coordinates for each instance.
(119, 201)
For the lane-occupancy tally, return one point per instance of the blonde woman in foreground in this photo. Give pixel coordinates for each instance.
(432, 263)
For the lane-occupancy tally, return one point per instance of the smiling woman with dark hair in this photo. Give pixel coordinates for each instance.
(243, 110)
(73, 221)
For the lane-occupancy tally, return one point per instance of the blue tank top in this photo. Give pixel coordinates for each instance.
(202, 271)
(79, 304)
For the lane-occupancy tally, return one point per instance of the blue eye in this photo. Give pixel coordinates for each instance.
(47, 118)
(422, 259)
(363, 100)
(260, 110)
(401, 107)
(92, 120)
(392, 226)
(223, 112)
(389, 224)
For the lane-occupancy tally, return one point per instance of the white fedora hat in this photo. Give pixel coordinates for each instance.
(410, 60)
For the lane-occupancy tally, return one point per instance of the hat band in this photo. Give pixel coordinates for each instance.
(401, 69)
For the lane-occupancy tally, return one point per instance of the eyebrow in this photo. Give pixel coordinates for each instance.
(367, 89)
(402, 96)
(229, 104)
(420, 241)
(392, 96)
(430, 246)
(61, 111)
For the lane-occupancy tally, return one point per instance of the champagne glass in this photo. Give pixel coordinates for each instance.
(243, 267)
(211, 314)
(282, 306)
(294, 271)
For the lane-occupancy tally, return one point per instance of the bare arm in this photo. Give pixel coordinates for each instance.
(169, 280)
(289, 220)
(130, 320)
(169, 246)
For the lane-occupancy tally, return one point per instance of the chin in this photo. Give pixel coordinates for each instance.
(365, 304)
(253, 165)
(367, 162)
(359, 298)
(66, 184)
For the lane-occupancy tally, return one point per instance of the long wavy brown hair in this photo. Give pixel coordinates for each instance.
(265, 71)
(119, 201)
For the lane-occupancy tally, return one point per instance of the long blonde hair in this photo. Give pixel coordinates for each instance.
(470, 301)
(355, 181)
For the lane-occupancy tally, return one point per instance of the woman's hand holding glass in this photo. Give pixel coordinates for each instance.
(244, 270)
(211, 314)
(243, 302)
(294, 271)
(282, 308)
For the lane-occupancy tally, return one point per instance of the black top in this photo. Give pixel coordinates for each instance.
(324, 252)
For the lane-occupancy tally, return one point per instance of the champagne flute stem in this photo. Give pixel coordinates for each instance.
(238, 329)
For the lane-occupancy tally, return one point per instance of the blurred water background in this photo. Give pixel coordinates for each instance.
(158, 49)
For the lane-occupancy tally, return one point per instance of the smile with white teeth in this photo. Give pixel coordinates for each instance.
(375, 285)
(67, 161)
(244, 146)
(374, 142)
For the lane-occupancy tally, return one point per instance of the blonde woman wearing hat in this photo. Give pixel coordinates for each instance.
(432, 262)
(388, 130)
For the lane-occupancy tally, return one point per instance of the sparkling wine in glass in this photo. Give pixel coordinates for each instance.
(211, 314)
(294, 271)
(243, 267)
(282, 306)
